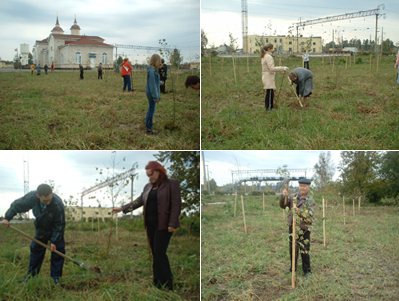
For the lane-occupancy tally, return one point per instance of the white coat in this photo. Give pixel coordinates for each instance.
(269, 72)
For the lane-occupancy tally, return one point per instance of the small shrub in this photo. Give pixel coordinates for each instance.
(256, 192)
(359, 60)
(205, 192)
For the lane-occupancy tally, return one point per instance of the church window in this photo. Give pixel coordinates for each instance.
(78, 58)
(104, 58)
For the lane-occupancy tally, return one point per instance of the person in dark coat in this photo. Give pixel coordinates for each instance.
(303, 78)
(163, 73)
(100, 71)
(38, 69)
(161, 202)
(45, 68)
(48, 209)
(81, 71)
(300, 201)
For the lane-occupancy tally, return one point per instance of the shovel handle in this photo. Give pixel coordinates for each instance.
(40, 243)
(295, 92)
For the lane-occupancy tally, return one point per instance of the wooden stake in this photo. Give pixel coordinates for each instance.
(234, 68)
(353, 207)
(280, 59)
(116, 222)
(359, 204)
(247, 63)
(343, 203)
(222, 62)
(293, 246)
(322, 58)
(98, 227)
(210, 64)
(346, 63)
(324, 224)
(235, 204)
(243, 214)
(378, 58)
(350, 61)
(333, 63)
(92, 224)
(263, 202)
(370, 63)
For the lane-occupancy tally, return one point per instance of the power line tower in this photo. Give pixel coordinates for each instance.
(358, 14)
(26, 179)
(244, 19)
(127, 174)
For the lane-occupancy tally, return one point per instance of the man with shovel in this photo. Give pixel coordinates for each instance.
(48, 209)
(304, 206)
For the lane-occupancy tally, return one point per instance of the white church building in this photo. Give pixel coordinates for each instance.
(67, 51)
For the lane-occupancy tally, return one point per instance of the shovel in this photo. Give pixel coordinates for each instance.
(295, 93)
(94, 269)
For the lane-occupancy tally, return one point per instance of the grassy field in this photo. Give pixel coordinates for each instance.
(360, 260)
(130, 253)
(348, 108)
(59, 111)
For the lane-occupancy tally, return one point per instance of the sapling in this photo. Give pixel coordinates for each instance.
(243, 214)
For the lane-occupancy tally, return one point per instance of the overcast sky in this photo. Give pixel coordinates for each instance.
(219, 17)
(71, 172)
(221, 163)
(140, 23)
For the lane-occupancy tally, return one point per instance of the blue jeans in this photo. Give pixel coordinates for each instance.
(37, 253)
(126, 82)
(150, 114)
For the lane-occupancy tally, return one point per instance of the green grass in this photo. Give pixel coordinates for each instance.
(360, 260)
(129, 253)
(59, 111)
(348, 109)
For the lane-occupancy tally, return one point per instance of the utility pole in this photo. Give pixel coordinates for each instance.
(244, 20)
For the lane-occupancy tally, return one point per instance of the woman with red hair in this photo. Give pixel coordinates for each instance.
(161, 203)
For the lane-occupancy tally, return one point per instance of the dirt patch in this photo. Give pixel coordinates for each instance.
(368, 109)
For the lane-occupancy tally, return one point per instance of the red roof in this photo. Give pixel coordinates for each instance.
(75, 27)
(85, 40)
(74, 36)
(42, 41)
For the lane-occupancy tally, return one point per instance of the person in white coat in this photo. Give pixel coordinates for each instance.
(305, 57)
(269, 73)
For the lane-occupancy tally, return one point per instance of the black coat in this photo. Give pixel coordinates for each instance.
(163, 72)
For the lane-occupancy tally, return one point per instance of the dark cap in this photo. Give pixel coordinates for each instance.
(305, 181)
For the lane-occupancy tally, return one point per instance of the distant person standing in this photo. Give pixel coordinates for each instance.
(152, 90)
(305, 57)
(163, 73)
(38, 69)
(126, 71)
(100, 71)
(397, 67)
(45, 68)
(269, 74)
(52, 67)
(81, 71)
(32, 68)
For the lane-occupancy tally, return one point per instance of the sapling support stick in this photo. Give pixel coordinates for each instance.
(235, 204)
(285, 202)
(116, 223)
(247, 63)
(343, 203)
(371, 57)
(353, 207)
(293, 245)
(243, 214)
(359, 204)
(263, 202)
(324, 224)
(210, 63)
(234, 68)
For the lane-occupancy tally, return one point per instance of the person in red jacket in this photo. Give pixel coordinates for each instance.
(126, 70)
(161, 202)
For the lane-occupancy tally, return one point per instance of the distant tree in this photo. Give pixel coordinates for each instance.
(120, 60)
(204, 42)
(387, 45)
(212, 185)
(324, 170)
(175, 58)
(185, 168)
(233, 42)
(390, 173)
(359, 170)
(30, 58)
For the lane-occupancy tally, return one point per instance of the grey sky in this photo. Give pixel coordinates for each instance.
(117, 21)
(71, 171)
(221, 163)
(219, 17)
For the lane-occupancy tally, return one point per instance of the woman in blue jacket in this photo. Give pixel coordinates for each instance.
(152, 90)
